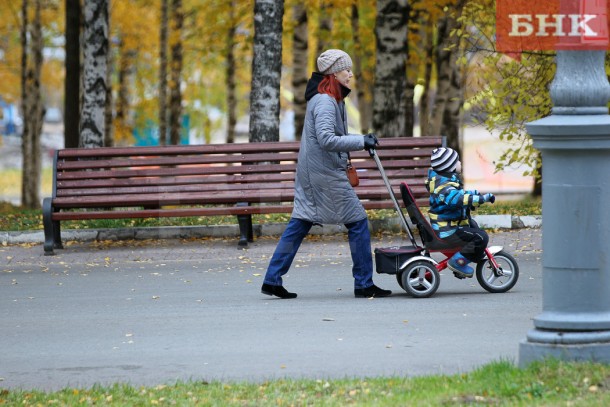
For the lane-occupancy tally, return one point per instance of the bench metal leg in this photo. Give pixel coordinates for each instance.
(57, 235)
(52, 229)
(49, 233)
(246, 234)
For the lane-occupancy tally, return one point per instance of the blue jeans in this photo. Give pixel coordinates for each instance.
(359, 243)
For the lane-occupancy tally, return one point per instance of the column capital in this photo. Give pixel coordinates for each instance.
(580, 85)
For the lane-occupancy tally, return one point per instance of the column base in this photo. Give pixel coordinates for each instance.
(567, 346)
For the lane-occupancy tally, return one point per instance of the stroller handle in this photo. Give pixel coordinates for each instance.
(384, 177)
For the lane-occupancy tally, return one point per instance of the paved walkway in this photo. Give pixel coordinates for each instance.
(156, 311)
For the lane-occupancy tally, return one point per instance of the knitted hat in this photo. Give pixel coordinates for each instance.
(333, 61)
(444, 159)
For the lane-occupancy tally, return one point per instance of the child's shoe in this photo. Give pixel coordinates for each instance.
(459, 264)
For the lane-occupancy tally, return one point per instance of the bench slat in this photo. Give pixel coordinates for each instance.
(201, 159)
(152, 161)
(185, 212)
(279, 146)
(253, 186)
(204, 197)
(222, 179)
(220, 170)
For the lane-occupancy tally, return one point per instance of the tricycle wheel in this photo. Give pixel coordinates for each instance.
(420, 279)
(498, 281)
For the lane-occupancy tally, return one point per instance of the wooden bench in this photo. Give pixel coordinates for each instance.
(206, 180)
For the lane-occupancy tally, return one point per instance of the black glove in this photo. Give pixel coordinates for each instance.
(370, 141)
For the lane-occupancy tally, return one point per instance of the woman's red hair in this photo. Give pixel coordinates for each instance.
(331, 86)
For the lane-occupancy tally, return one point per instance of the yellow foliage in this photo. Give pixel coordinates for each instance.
(10, 43)
(135, 22)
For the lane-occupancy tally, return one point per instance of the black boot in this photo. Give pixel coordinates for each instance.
(278, 291)
(372, 291)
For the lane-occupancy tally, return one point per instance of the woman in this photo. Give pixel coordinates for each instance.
(323, 193)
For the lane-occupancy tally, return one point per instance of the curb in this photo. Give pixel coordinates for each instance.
(391, 225)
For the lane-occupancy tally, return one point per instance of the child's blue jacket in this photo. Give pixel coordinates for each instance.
(449, 202)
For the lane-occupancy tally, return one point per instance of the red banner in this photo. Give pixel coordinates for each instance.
(544, 25)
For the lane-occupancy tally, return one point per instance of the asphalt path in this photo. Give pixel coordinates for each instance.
(157, 312)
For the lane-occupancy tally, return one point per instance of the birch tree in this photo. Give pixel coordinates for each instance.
(230, 74)
(424, 105)
(299, 67)
(389, 93)
(163, 32)
(175, 93)
(362, 18)
(266, 71)
(108, 108)
(92, 124)
(363, 84)
(33, 110)
(447, 105)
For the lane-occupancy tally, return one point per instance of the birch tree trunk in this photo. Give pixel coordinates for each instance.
(266, 71)
(452, 116)
(25, 140)
(363, 88)
(412, 72)
(126, 82)
(424, 104)
(109, 132)
(299, 67)
(33, 109)
(230, 75)
(72, 83)
(92, 125)
(389, 94)
(446, 57)
(163, 74)
(175, 93)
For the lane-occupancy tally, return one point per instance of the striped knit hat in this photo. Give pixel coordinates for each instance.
(444, 159)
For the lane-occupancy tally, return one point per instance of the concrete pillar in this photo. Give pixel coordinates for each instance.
(575, 145)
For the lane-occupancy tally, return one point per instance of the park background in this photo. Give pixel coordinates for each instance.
(184, 69)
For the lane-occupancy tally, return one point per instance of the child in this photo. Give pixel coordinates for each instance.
(449, 210)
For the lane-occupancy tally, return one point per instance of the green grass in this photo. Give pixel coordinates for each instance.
(15, 218)
(526, 206)
(551, 383)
